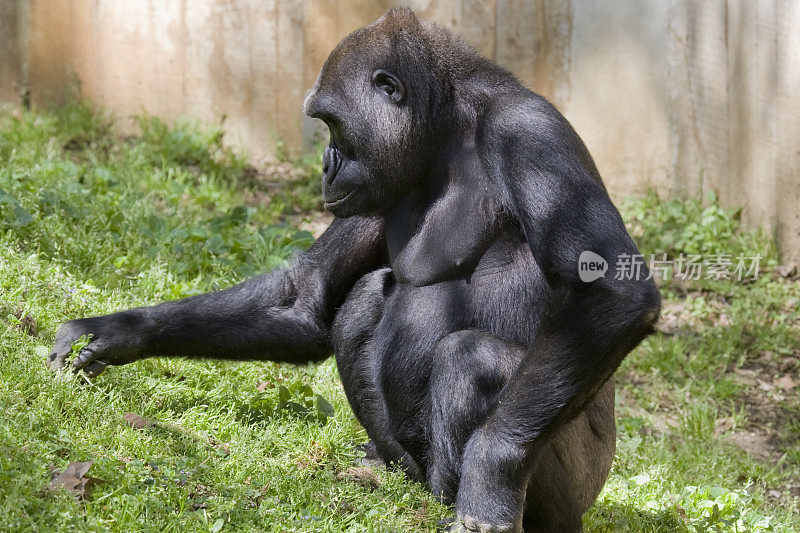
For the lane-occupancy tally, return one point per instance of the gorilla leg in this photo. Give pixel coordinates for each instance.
(471, 368)
(351, 334)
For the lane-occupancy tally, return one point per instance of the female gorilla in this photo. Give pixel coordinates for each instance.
(447, 285)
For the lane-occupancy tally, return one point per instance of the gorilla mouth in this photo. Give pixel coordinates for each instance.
(331, 203)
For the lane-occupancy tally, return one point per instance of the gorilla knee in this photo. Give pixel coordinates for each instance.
(478, 354)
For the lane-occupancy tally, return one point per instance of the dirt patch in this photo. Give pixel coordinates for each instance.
(759, 445)
(25, 322)
(674, 317)
(770, 384)
(677, 317)
(768, 432)
(771, 395)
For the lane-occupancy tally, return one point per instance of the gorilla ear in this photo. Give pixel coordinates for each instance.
(389, 84)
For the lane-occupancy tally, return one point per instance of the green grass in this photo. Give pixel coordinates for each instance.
(91, 223)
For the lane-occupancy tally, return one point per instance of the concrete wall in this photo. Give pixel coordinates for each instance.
(674, 95)
(12, 80)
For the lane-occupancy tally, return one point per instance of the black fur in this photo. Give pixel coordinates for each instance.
(447, 284)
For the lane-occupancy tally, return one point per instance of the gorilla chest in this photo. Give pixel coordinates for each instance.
(498, 294)
(434, 241)
(457, 262)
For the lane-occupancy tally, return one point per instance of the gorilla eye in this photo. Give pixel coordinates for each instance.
(389, 85)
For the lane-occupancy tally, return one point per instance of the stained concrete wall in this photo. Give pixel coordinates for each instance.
(12, 81)
(674, 95)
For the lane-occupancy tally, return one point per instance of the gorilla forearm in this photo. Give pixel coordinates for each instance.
(563, 369)
(259, 319)
(263, 318)
(281, 316)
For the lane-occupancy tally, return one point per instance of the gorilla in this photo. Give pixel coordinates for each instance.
(448, 284)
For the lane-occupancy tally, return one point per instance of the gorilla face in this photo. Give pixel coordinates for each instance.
(378, 118)
(363, 165)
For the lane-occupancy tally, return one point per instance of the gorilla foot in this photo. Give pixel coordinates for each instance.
(492, 488)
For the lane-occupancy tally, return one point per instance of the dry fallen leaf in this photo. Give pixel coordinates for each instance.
(342, 507)
(74, 479)
(362, 475)
(137, 421)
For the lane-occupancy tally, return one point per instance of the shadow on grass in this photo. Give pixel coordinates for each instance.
(247, 412)
(616, 516)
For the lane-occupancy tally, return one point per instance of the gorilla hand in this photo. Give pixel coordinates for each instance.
(112, 342)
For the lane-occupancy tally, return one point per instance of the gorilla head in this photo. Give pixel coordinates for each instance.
(382, 105)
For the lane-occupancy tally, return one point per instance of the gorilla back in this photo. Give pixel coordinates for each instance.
(447, 284)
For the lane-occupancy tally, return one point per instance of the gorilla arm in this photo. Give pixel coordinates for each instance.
(549, 183)
(281, 316)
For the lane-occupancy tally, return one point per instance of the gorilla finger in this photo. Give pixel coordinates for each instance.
(61, 350)
(84, 358)
(95, 368)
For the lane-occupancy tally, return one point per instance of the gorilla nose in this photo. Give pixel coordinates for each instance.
(331, 160)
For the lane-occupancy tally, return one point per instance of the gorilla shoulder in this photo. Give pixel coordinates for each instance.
(525, 130)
